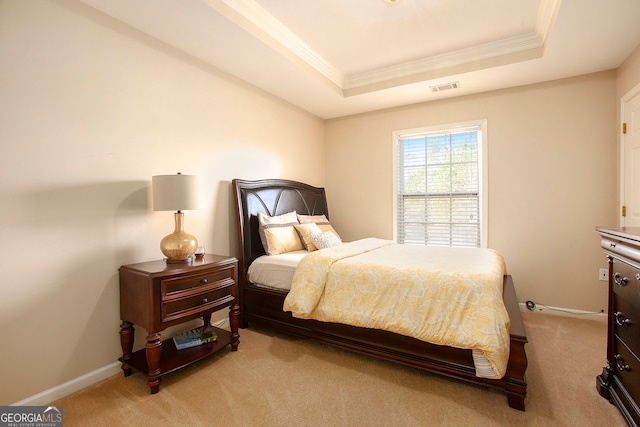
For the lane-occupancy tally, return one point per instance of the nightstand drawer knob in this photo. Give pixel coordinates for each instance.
(620, 281)
(205, 300)
(620, 319)
(204, 281)
(619, 363)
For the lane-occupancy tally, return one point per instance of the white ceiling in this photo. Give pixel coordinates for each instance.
(339, 57)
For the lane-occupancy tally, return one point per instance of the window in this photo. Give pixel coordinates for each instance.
(439, 191)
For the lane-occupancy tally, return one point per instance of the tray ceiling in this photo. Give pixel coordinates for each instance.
(340, 57)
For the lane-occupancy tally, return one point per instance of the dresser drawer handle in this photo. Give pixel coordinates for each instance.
(205, 300)
(620, 281)
(204, 281)
(620, 319)
(619, 365)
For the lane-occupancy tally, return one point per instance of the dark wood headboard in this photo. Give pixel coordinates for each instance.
(270, 197)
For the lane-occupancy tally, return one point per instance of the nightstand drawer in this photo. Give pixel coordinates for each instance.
(190, 304)
(190, 284)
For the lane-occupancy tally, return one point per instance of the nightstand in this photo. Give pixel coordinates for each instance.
(155, 295)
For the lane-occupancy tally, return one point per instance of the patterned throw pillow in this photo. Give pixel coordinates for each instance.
(326, 240)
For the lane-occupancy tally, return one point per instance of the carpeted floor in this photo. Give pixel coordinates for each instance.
(276, 380)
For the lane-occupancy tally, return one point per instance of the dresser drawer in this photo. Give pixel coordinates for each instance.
(626, 318)
(627, 368)
(191, 304)
(184, 285)
(626, 282)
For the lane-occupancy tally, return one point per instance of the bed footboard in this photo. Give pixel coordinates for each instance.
(263, 307)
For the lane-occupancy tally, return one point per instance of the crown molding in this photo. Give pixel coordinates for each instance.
(547, 15)
(257, 21)
(457, 58)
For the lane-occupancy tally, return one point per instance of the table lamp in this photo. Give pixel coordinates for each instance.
(176, 193)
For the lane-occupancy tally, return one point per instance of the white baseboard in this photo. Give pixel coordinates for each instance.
(566, 312)
(223, 324)
(62, 390)
(86, 380)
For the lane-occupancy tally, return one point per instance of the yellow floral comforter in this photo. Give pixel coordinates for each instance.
(446, 296)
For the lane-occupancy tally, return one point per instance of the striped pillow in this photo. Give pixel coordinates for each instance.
(305, 232)
(277, 233)
(321, 221)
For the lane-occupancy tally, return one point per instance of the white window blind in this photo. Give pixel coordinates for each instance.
(439, 187)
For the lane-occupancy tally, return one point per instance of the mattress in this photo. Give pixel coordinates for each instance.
(275, 271)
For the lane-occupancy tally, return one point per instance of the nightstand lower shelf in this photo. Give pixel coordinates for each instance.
(172, 359)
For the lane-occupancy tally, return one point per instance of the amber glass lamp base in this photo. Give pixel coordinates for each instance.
(179, 246)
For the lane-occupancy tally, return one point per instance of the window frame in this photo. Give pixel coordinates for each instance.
(483, 174)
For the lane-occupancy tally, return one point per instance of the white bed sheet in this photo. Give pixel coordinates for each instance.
(275, 271)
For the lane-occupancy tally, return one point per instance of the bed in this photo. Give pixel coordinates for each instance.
(263, 305)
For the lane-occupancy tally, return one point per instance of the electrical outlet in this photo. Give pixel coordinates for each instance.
(603, 274)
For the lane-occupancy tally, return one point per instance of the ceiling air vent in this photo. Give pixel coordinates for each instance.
(445, 86)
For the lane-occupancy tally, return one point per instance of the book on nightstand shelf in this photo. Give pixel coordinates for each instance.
(193, 338)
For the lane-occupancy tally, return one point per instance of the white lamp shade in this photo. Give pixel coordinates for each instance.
(175, 192)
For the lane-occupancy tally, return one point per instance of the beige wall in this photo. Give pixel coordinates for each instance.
(629, 73)
(89, 111)
(552, 179)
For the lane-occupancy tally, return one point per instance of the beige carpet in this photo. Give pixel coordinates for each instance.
(276, 380)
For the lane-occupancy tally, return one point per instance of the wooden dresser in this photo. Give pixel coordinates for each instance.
(620, 379)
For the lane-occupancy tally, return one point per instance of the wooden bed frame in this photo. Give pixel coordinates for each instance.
(263, 306)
